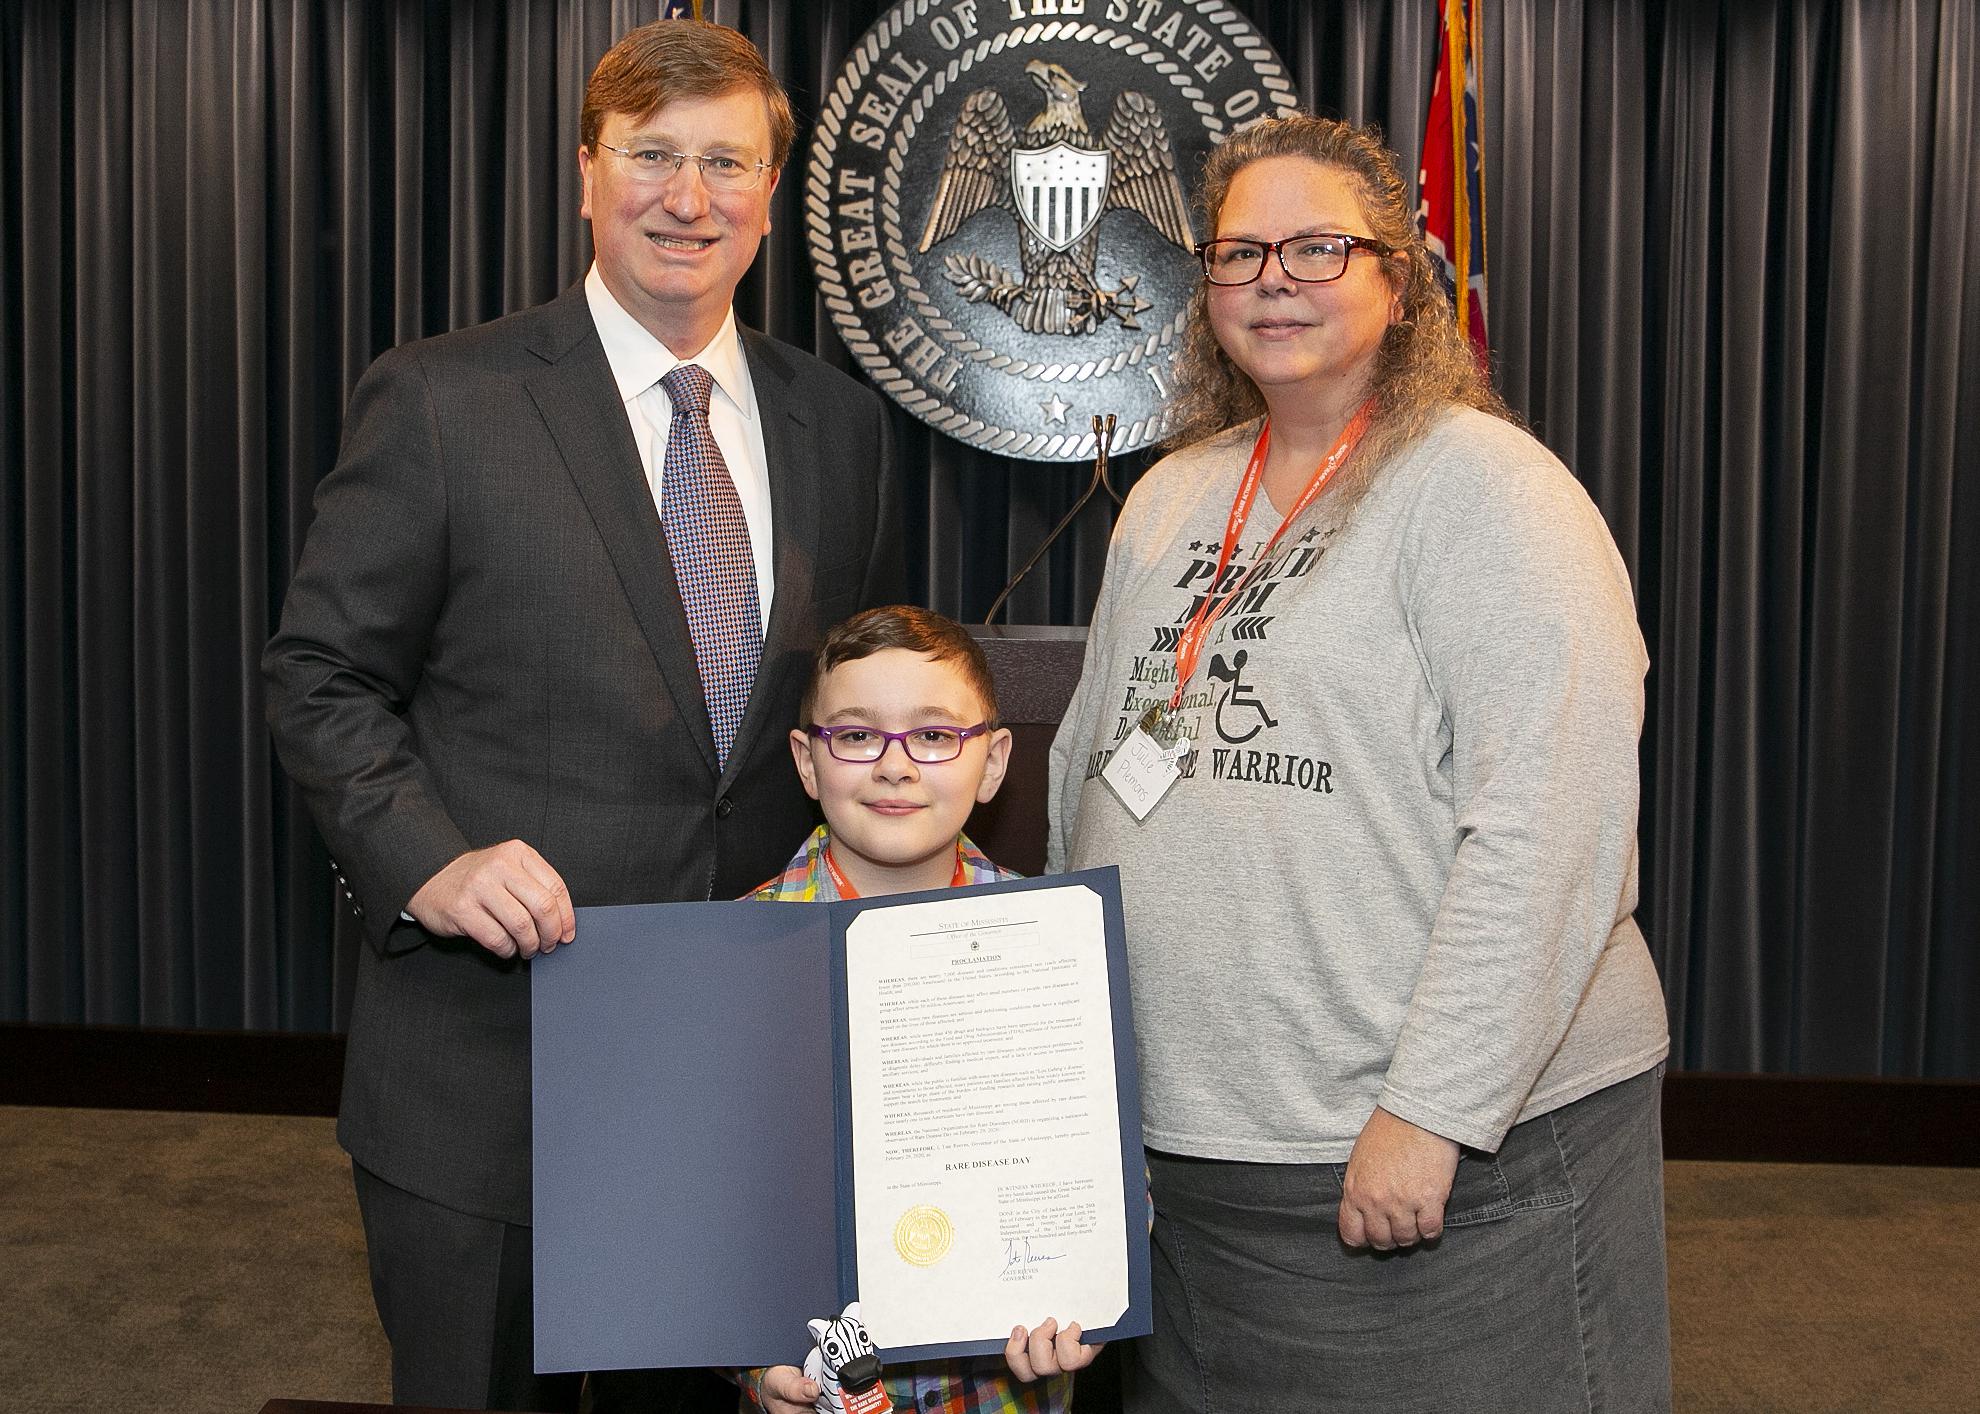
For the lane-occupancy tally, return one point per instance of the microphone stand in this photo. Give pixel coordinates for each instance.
(1103, 441)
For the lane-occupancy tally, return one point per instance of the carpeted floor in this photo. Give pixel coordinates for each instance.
(180, 1262)
(1815, 1288)
(190, 1262)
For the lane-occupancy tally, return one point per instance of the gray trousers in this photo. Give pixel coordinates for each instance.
(454, 1295)
(1545, 1293)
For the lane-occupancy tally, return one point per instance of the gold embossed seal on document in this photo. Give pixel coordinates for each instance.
(923, 1235)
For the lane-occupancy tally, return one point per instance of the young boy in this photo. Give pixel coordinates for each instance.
(898, 740)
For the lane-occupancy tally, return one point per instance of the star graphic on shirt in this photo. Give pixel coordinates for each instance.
(1196, 544)
(1056, 410)
(1310, 536)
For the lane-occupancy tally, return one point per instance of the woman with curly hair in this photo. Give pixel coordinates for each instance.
(1401, 1040)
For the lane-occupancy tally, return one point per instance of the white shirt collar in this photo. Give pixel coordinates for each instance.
(639, 360)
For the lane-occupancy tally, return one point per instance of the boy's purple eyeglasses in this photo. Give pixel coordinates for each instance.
(926, 746)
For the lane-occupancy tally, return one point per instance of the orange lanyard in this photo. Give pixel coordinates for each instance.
(846, 890)
(1190, 647)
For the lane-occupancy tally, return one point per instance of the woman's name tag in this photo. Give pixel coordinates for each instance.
(1148, 762)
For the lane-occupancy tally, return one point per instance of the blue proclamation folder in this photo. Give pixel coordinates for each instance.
(693, 1137)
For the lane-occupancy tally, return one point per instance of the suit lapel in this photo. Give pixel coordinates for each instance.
(579, 402)
(792, 461)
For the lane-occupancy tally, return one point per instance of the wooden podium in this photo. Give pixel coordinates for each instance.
(1036, 669)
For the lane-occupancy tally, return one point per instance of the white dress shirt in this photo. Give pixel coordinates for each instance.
(639, 361)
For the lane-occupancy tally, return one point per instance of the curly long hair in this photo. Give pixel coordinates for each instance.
(1424, 364)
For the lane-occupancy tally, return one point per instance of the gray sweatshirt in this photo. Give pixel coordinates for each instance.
(1402, 866)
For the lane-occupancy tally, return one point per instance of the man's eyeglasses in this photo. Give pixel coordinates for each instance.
(926, 746)
(720, 171)
(1311, 260)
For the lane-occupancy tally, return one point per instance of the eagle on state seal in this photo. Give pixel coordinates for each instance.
(1057, 181)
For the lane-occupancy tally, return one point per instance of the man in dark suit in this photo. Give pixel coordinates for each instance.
(543, 646)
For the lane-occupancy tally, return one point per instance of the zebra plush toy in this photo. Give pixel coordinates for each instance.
(846, 1364)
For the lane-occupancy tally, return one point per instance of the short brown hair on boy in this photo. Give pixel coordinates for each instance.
(903, 626)
(670, 59)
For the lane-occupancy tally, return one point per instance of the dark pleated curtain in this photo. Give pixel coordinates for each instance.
(1735, 271)
(1733, 263)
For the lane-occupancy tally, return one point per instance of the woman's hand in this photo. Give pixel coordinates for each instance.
(1046, 1350)
(1398, 1179)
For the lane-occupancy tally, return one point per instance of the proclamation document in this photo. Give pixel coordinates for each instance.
(987, 1170)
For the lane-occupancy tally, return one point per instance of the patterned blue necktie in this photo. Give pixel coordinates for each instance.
(708, 540)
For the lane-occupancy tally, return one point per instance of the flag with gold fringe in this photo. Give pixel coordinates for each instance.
(1451, 180)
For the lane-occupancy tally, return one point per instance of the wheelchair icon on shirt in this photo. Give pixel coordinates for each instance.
(1239, 698)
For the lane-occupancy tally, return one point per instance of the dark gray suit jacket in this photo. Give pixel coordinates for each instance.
(484, 641)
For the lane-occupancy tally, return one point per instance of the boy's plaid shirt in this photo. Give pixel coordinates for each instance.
(807, 879)
(984, 1384)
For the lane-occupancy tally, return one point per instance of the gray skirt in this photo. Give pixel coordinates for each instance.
(1545, 1293)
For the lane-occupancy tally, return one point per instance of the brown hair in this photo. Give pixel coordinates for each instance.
(669, 59)
(1424, 363)
(902, 626)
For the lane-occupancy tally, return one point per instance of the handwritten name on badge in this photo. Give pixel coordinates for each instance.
(1142, 771)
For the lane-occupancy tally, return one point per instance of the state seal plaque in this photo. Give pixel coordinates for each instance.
(997, 206)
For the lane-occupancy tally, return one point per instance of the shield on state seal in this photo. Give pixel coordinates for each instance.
(1061, 190)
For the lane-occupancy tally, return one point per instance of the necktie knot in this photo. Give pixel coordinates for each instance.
(688, 387)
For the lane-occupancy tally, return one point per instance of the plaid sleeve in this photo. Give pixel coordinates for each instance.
(750, 1382)
(978, 1385)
